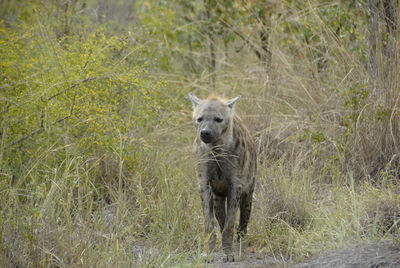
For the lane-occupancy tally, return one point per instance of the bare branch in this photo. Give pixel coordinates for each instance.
(37, 131)
(71, 87)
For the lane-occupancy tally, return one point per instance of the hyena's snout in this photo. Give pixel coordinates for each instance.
(207, 135)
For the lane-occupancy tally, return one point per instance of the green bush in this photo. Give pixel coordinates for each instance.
(92, 90)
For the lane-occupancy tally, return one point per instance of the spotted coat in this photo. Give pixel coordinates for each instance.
(226, 167)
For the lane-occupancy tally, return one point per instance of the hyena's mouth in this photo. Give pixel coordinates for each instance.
(206, 136)
(206, 139)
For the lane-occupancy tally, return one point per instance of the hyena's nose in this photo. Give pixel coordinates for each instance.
(205, 135)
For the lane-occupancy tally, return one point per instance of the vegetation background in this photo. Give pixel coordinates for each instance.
(96, 132)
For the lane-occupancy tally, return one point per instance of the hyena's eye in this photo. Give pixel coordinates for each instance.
(199, 119)
(218, 119)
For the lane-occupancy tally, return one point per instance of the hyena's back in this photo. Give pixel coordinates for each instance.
(244, 148)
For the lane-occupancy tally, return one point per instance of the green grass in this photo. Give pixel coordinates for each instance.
(114, 185)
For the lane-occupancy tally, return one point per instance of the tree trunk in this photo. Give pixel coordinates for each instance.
(212, 65)
(383, 36)
(265, 55)
(373, 32)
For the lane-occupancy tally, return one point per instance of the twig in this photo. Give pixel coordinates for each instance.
(71, 87)
(37, 131)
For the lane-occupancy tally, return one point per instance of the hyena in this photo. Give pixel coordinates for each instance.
(226, 168)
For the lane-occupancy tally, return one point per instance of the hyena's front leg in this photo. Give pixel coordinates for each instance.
(245, 211)
(219, 210)
(227, 233)
(207, 204)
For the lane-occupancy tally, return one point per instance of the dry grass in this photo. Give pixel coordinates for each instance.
(328, 169)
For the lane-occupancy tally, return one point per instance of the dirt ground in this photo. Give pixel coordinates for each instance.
(367, 254)
(256, 260)
(361, 255)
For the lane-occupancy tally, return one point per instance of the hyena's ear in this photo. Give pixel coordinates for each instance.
(231, 102)
(194, 99)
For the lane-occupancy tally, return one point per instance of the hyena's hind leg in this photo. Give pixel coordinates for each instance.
(219, 210)
(246, 200)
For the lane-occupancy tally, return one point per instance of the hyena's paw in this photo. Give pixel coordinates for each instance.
(229, 258)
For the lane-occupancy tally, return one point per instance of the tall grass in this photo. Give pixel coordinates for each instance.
(327, 145)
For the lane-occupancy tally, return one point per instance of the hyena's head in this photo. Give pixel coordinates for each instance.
(213, 117)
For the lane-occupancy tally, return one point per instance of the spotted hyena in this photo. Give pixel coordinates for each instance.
(226, 168)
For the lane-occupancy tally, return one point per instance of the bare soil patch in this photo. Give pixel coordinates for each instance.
(256, 260)
(365, 255)
(362, 255)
